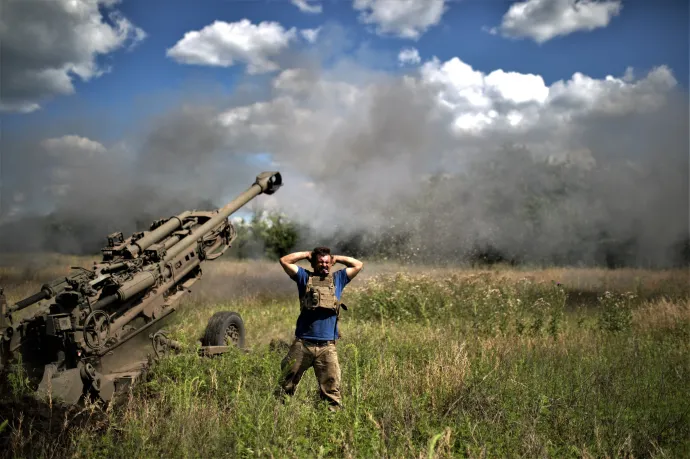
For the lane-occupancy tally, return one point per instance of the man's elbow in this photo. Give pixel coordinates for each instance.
(286, 267)
(355, 269)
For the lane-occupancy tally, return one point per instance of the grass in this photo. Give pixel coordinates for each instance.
(437, 362)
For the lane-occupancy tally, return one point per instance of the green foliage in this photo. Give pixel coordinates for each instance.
(270, 235)
(279, 235)
(616, 311)
(17, 379)
(478, 304)
(412, 392)
(471, 366)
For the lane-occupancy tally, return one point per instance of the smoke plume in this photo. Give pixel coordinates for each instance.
(442, 163)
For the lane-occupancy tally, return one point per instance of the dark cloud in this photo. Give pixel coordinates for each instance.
(47, 43)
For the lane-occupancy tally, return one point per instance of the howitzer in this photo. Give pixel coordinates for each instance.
(73, 346)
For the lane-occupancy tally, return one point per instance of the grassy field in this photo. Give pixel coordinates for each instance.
(437, 362)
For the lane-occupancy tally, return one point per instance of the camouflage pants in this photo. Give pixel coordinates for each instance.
(324, 358)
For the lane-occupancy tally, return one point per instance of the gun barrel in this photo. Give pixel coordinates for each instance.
(47, 292)
(266, 182)
(26, 302)
(157, 234)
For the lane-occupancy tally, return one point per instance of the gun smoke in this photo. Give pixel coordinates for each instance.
(377, 162)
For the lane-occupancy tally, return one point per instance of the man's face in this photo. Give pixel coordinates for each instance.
(322, 264)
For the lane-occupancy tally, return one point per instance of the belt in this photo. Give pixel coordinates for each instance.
(316, 342)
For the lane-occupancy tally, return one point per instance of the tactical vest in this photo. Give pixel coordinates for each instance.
(320, 293)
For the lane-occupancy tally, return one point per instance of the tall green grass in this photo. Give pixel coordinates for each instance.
(472, 366)
(477, 303)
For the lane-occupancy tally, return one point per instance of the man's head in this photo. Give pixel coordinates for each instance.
(321, 260)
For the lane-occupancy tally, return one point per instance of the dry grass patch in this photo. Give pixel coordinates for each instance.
(662, 315)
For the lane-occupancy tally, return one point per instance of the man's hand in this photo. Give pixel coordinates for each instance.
(354, 266)
(288, 262)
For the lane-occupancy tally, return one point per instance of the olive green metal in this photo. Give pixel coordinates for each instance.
(267, 182)
(140, 282)
(76, 345)
(159, 233)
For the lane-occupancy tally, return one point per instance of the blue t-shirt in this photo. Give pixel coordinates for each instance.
(319, 324)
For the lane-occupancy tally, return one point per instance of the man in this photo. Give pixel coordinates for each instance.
(316, 330)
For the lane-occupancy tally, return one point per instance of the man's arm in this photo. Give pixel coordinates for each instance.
(288, 262)
(354, 266)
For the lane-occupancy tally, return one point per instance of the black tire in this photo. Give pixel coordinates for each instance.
(221, 325)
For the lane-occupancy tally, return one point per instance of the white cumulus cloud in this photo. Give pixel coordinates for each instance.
(409, 56)
(402, 18)
(611, 95)
(310, 34)
(308, 6)
(225, 44)
(48, 43)
(73, 147)
(502, 104)
(512, 100)
(542, 20)
(311, 111)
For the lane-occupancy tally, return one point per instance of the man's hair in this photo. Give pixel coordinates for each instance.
(320, 252)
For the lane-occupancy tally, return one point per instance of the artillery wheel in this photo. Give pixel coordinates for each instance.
(224, 328)
(96, 334)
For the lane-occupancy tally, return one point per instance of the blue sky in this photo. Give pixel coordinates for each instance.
(144, 80)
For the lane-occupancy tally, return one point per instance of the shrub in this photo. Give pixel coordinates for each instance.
(266, 235)
(616, 311)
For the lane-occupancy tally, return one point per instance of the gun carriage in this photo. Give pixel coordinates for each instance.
(76, 343)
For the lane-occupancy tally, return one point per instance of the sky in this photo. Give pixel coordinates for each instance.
(109, 104)
(606, 41)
